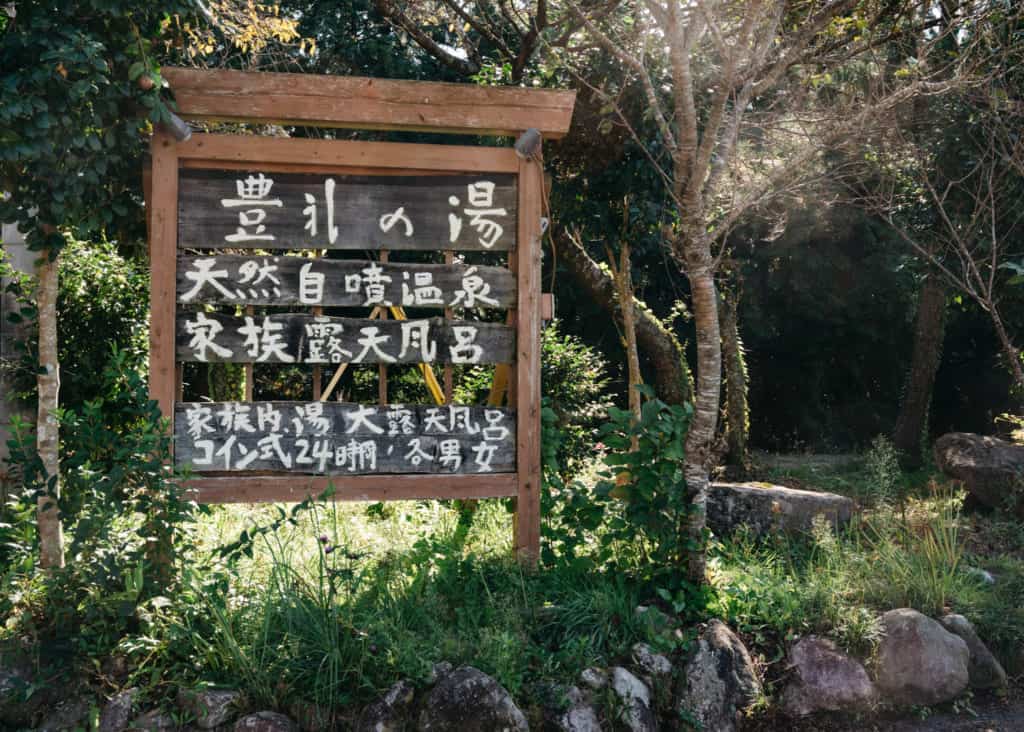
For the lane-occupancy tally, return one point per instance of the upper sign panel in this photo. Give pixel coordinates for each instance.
(262, 210)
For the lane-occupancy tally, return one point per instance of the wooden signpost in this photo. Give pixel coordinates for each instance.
(243, 238)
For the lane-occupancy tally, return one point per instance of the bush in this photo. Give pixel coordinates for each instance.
(103, 302)
(573, 379)
(124, 516)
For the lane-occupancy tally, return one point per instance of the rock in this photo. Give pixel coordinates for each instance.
(766, 508)
(636, 712)
(438, 671)
(265, 722)
(580, 716)
(66, 715)
(983, 575)
(983, 670)
(18, 707)
(208, 707)
(468, 700)
(650, 662)
(154, 721)
(118, 711)
(719, 680)
(826, 680)
(918, 662)
(390, 713)
(990, 468)
(594, 678)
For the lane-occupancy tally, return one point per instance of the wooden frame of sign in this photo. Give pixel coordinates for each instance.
(274, 194)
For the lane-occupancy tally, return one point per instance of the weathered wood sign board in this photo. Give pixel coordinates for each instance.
(346, 212)
(345, 439)
(245, 234)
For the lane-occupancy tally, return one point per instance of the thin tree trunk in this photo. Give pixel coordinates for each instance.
(737, 414)
(672, 380)
(624, 281)
(51, 536)
(929, 332)
(700, 438)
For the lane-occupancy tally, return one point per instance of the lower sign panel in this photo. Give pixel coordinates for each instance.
(329, 438)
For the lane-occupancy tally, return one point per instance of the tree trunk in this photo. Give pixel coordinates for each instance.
(672, 380)
(51, 536)
(929, 332)
(700, 438)
(624, 282)
(737, 415)
(1010, 351)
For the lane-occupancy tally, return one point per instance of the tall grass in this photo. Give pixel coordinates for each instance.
(326, 612)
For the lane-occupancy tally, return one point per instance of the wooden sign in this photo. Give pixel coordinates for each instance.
(328, 438)
(299, 338)
(245, 234)
(258, 209)
(307, 282)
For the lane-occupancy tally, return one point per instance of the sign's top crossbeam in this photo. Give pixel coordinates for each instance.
(365, 103)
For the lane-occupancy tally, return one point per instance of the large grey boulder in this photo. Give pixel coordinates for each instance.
(719, 680)
(155, 720)
(825, 679)
(991, 469)
(636, 712)
(391, 712)
(265, 722)
(65, 715)
(468, 700)
(118, 711)
(210, 708)
(766, 508)
(919, 663)
(580, 715)
(983, 669)
(651, 663)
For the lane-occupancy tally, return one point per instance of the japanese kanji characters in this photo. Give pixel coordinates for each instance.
(327, 437)
(253, 198)
(204, 334)
(482, 214)
(263, 342)
(371, 282)
(311, 213)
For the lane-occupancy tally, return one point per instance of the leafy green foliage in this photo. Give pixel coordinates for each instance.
(125, 514)
(574, 381)
(72, 115)
(633, 520)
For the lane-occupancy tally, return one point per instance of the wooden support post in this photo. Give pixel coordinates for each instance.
(527, 378)
(163, 251)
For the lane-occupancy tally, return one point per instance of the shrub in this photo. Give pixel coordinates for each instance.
(574, 379)
(103, 301)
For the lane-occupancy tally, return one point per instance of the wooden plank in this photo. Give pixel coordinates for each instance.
(344, 156)
(294, 488)
(347, 439)
(527, 389)
(304, 338)
(163, 249)
(358, 102)
(247, 210)
(268, 280)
